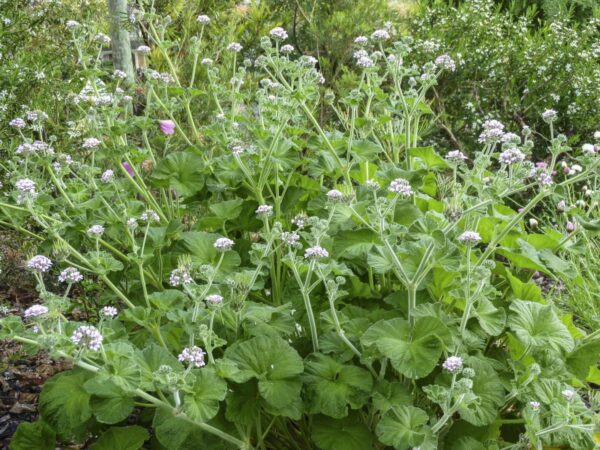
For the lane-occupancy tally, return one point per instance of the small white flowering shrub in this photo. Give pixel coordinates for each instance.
(266, 280)
(510, 67)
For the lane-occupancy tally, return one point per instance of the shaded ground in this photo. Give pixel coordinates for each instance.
(21, 376)
(21, 379)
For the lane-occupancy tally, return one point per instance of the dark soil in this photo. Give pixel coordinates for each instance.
(21, 375)
(21, 380)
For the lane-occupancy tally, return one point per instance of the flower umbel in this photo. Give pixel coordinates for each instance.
(70, 275)
(87, 336)
(193, 355)
(316, 252)
(453, 364)
(35, 311)
(39, 263)
(401, 187)
(469, 237)
(223, 244)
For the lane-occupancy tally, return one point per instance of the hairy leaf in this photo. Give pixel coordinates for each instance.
(403, 427)
(413, 351)
(537, 327)
(332, 386)
(123, 438)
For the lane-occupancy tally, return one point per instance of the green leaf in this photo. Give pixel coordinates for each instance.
(387, 395)
(429, 157)
(332, 386)
(489, 390)
(403, 427)
(111, 410)
(122, 373)
(150, 359)
(525, 291)
(538, 327)
(228, 209)
(365, 150)
(379, 264)
(348, 434)
(491, 319)
(274, 363)
(468, 443)
(243, 403)
(174, 432)
(109, 402)
(168, 299)
(64, 403)
(123, 438)
(406, 213)
(182, 171)
(36, 435)
(583, 357)
(354, 243)
(413, 351)
(202, 403)
(200, 246)
(104, 262)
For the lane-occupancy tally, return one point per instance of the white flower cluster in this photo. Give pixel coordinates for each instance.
(107, 176)
(453, 364)
(158, 76)
(26, 189)
(316, 252)
(335, 196)
(511, 156)
(95, 231)
(17, 123)
(401, 186)
(223, 244)
(193, 355)
(35, 311)
(290, 238)
(109, 312)
(39, 263)
(70, 275)
(91, 143)
(235, 47)
(264, 210)
(27, 149)
(445, 62)
(214, 299)
(469, 237)
(456, 156)
(150, 216)
(493, 131)
(549, 116)
(380, 35)
(102, 38)
(87, 336)
(279, 34)
(180, 277)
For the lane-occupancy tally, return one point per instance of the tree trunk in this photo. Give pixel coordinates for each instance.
(121, 45)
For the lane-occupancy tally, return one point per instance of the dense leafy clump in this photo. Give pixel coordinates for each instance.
(264, 278)
(511, 68)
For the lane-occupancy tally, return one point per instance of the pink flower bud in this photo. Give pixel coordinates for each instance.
(128, 168)
(571, 226)
(167, 126)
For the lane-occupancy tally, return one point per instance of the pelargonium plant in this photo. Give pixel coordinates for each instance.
(270, 280)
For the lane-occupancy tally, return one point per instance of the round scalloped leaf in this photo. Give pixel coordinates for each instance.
(348, 434)
(403, 427)
(413, 351)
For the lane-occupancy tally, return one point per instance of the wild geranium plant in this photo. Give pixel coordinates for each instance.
(277, 278)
